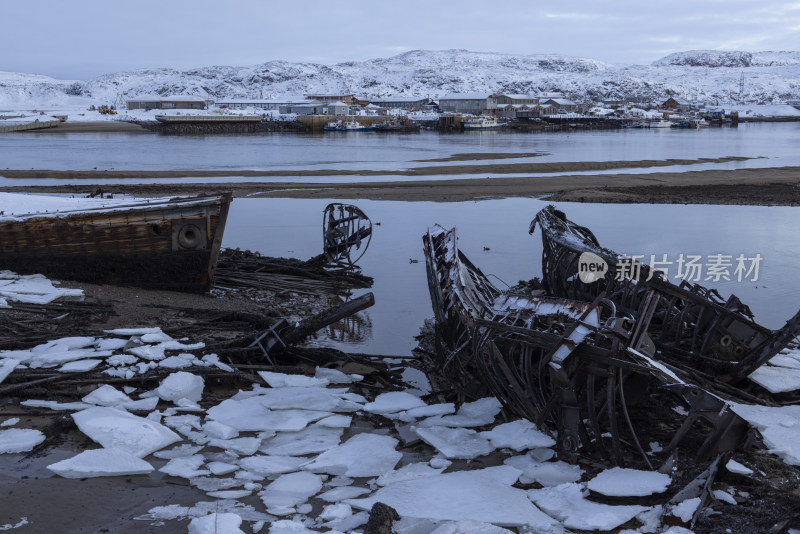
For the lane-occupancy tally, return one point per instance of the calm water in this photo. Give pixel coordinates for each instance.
(775, 144)
(286, 227)
(291, 227)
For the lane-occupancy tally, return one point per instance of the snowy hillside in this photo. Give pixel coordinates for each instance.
(707, 76)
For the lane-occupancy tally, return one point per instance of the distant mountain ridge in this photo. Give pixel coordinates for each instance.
(699, 75)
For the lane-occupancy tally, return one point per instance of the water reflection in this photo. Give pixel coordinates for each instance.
(290, 227)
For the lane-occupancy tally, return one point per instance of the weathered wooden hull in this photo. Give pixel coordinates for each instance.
(170, 244)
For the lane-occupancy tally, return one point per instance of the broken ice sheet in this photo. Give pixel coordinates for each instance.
(622, 482)
(568, 504)
(484, 495)
(79, 366)
(735, 467)
(409, 472)
(343, 492)
(363, 455)
(186, 467)
(115, 428)
(393, 401)
(215, 523)
(776, 379)
(252, 415)
(469, 527)
(461, 443)
(281, 380)
(181, 385)
(335, 376)
(289, 490)
(16, 440)
(518, 435)
(544, 473)
(311, 440)
(778, 425)
(272, 465)
(7, 365)
(479, 413)
(101, 463)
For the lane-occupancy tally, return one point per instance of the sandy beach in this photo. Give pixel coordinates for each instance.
(766, 186)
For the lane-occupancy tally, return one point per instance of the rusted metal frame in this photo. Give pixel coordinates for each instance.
(628, 420)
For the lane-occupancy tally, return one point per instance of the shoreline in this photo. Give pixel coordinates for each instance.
(777, 186)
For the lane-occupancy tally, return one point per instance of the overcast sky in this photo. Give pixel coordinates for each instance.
(80, 39)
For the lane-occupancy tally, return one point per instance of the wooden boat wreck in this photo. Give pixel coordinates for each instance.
(160, 243)
(692, 326)
(573, 367)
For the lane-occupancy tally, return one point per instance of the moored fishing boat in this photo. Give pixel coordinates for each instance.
(483, 122)
(345, 126)
(159, 243)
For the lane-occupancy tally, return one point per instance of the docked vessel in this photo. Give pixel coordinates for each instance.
(483, 122)
(345, 126)
(661, 123)
(161, 243)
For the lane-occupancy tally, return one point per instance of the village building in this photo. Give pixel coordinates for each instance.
(562, 105)
(677, 104)
(474, 103)
(399, 103)
(348, 99)
(517, 100)
(169, 102)
(258, 103)
(317, 107)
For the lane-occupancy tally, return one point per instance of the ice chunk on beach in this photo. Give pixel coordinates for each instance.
(215, 429)
(19, 440)
(545, 473)
(336, 421)
(735, 467)
(343, 492)
(410, 472)
(79, 366)
(518, 435)
(335, 376)
(113, 343)
(311, 440)
(56, 406)
(462, 443)
(175, 362)
(568, 504)
(484, 495)
(287, 491)
(281, 380)
(363, 455)
(308, 398)
(214, 523)
(479, 413)
(251, 414)
(101, 463)
(469, 527)
(115, 428)
(133, 331)
(776, 379)
(59, 356)
(392, 402)
(186, 467)
(685, 509)
(7, 365)
(32, 289)
(287, 526)
(272, 465)
(428, 410)
(148, 352)
(623, 482)
(106, 395)
(10, 422)
(181, 385)
(244, 446)
(778, 425)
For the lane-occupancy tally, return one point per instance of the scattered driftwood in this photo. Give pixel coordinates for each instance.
(23, 325)
(246, 269)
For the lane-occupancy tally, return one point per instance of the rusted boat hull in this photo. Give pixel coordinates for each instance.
(571, 367)
(170, 244)
(693, 326)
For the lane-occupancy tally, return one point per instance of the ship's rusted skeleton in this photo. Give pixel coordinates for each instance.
(692, 326)
(345, 228)
(561, 363)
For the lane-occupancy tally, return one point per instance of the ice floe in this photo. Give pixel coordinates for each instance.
(31, 289)
(568, 504)
(484, 495)
(363, 455)
(478, 413)
(518, 435)
(280, 380)
(115, 428)
(224, 523)
(622, 482)
(101, 463)
(19, 440)
(287, 491)
(461, 443)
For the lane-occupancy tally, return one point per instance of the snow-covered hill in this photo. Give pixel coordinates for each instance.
(706, 76)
